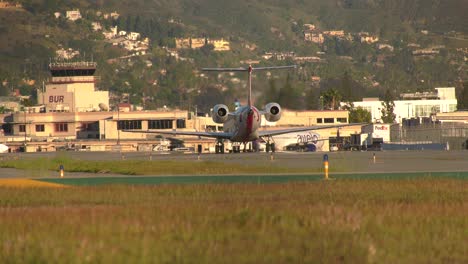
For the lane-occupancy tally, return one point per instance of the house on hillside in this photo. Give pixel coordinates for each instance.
(96, 26)
(334, 33)
(314, 37)
(73, 15)
(220, 44)
(133, 36)
(5, 4)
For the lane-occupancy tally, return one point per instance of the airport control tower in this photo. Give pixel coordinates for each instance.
(72, 89)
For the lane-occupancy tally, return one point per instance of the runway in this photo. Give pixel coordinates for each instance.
(343, 165)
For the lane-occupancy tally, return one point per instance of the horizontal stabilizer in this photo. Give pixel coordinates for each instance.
(241, 69)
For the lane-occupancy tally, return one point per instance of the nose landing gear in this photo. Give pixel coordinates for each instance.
(219, 147)
(270, 144)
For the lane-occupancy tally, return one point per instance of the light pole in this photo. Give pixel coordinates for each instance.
(25, 129)
(118, 123)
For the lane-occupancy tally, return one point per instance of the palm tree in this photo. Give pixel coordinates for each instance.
(331, 98)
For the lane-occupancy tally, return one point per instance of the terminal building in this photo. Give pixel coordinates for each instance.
(414, 105)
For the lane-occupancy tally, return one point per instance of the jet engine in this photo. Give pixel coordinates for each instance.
(220, 113)
(272, 112)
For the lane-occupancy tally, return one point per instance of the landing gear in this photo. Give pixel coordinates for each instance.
(219, 147)
(270, 146)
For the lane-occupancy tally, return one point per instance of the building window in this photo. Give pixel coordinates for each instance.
(329, 120)
(319, 120)
(181, 123)
(129, 124)
(160, 124)
(341, 120)
(22, 128)
(40, 128)
(61, 127)
(90, 126)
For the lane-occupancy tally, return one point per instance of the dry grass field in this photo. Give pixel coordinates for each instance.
(422, 220)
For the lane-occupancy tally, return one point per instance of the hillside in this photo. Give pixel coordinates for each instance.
(404, 29)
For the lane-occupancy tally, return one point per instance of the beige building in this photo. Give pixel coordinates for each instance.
(310, 118)
(72, 89)
(106, 127)
(196, 43)
(457, 117)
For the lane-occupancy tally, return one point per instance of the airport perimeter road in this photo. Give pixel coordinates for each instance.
(339, 162)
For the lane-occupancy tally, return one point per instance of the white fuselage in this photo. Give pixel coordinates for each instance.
(243, 123)
(298, 138)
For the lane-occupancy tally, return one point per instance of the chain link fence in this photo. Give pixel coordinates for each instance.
(456, 135)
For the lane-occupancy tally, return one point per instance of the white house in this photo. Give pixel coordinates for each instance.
(73, 15)
(413, 105)
(133, 36)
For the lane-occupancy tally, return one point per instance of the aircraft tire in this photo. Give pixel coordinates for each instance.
(272, 147)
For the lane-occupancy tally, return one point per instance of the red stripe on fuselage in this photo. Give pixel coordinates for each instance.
(250, 118)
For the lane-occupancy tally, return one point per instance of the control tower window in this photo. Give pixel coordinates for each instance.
(160, 124)
(129, 124)
(181, 123)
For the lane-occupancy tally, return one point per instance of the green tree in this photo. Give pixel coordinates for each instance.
(359, 115)
(388, 107)
(463, 97)
(331, 99)
(289, 96)
(272, 93)
(346, 87)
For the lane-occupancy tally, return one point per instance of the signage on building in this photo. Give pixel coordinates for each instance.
(56, 98)
(381, 131)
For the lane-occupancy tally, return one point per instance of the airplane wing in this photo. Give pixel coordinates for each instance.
(220, 135)
(274, 67)
(265, 133)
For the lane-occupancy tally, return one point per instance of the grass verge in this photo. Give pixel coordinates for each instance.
(140, 167)
(345, 221)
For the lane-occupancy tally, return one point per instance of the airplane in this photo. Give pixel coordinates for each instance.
(243, 124)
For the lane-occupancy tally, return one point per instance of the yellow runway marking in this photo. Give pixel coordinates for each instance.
(27, 183)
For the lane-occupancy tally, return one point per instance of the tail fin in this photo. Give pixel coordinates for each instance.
(250, 87)
(249, 70)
